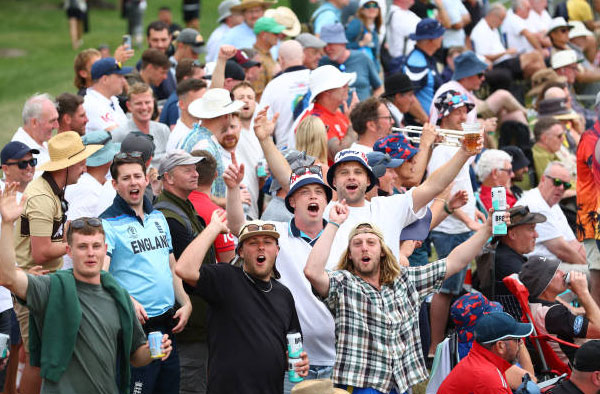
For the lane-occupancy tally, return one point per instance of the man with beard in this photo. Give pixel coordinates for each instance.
(141, 105)
(248, 149)
(71, 114)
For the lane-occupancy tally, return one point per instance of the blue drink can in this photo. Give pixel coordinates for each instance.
(293, 375)
(155, 343)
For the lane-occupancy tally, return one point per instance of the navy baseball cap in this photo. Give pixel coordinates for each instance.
(500, 326)
(15, 150)
(108, 66)
(380, 162)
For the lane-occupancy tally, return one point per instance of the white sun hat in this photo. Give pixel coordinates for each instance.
(326, 78)
(215, 102)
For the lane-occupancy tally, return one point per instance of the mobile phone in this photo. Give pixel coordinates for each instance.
(127, 40)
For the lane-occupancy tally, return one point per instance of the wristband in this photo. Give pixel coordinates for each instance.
(447, 208)
(334, 223)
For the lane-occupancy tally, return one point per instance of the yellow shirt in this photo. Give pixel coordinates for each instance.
(579, 10)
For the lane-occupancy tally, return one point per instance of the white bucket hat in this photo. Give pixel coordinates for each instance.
(579, 30)
(326, 78)
(564, 58)
(557, 23)
(215, 102)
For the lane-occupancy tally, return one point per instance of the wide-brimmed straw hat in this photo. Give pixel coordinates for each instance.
(215, 102)
(67, 149)
(286, 17)
(244, 4)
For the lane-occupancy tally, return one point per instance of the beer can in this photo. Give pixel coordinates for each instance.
(292, 374)
(155, 343)
(498, 224)
(499, 198)
(568, 278)
(294, 344)
(4, 344)
(261, 170)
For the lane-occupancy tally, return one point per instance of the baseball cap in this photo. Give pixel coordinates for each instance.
(380, 162)
(243, 60)
(519, 160)
(536, 274)
(136, 141)
(234, 71)
(176, 158)
(15, 150)
(521, 215)
(499, 326)
(192, 38)
(269, 25)
(586, 357)
(308, 40)
(108, 66)
(347, 155)
(257, 227)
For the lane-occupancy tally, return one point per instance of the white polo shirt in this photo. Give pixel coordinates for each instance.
(102, 113)
(539, 22)
(44, 156)
(487, 42)
(513, 26)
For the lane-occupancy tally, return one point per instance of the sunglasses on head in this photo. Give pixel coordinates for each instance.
(459, 98)
(314, 169)
(371, 5)
(258, 227)
(22, 164)
(80, 223)
(559, 182)
(125, 155)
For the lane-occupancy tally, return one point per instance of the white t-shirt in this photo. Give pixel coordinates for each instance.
(439, 157)
(249, 152)
(159, 131)
(513, 26)
(43, 157)
(452, 85)
(555, 226)
(214, 42)
(361, 148)
(318, 326)
(391, 214)
(87, 198)
(486, 41)
(102, 113)
(281, 94)
(455, 10)
(402, 23)
(177, 134)
(538, 22)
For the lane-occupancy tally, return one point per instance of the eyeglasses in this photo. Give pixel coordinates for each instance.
(371, 5)
(258, 227)
(559, 182)
(314, 169)
(388, 117)
(125, 155)
(80, 223)
(23, 163)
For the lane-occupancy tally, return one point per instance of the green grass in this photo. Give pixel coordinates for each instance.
(40, 29)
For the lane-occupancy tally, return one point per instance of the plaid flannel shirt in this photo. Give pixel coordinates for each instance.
(377, 332)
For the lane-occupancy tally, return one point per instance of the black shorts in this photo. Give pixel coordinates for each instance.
(191, 10)
(513, 65)
(73, 12)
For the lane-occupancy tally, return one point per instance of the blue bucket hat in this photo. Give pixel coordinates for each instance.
(499, 326)
(108, 66)
(106, 153)
(467, 64)
(347, 155)
(306, 175)
(427, 29)
(333, 34)
(380, 161)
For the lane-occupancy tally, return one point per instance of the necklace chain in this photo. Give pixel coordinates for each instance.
(254, 282)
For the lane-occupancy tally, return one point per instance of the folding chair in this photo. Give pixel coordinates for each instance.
(552, 365)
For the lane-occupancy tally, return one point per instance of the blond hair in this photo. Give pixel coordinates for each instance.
(388, 265)
(311, 137)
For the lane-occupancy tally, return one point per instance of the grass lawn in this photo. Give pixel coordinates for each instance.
(36, 54)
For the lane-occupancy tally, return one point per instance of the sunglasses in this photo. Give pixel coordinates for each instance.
(314, 169)
(125, 155)
(80, 223)
(559, 182)
(371, 5)
(23, 163)
(459, 98)
(258, 227)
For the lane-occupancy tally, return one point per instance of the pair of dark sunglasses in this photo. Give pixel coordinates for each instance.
(558, 182)
(23, 163)
(258, 227)
(125, 155)
(314, 169)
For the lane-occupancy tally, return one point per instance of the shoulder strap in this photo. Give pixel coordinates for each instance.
(169, 206)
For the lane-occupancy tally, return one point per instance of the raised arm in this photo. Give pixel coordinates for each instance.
(10, 276)
(315, 265)
(233, 176)
(190, 261)
(217, 80)
(421, 159)
(464, 253)
(263, 128)
(441, 178)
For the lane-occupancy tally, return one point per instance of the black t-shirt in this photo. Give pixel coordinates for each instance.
(247, 327)
(507, 262)
(566, 387)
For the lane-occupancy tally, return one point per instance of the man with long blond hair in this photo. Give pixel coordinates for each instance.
(375, 303)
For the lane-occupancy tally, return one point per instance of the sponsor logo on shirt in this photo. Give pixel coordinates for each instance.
(577, 325)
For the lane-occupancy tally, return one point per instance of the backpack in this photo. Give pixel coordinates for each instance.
(390, 63)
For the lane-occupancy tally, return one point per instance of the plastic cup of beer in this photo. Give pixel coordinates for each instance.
(472, 132)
